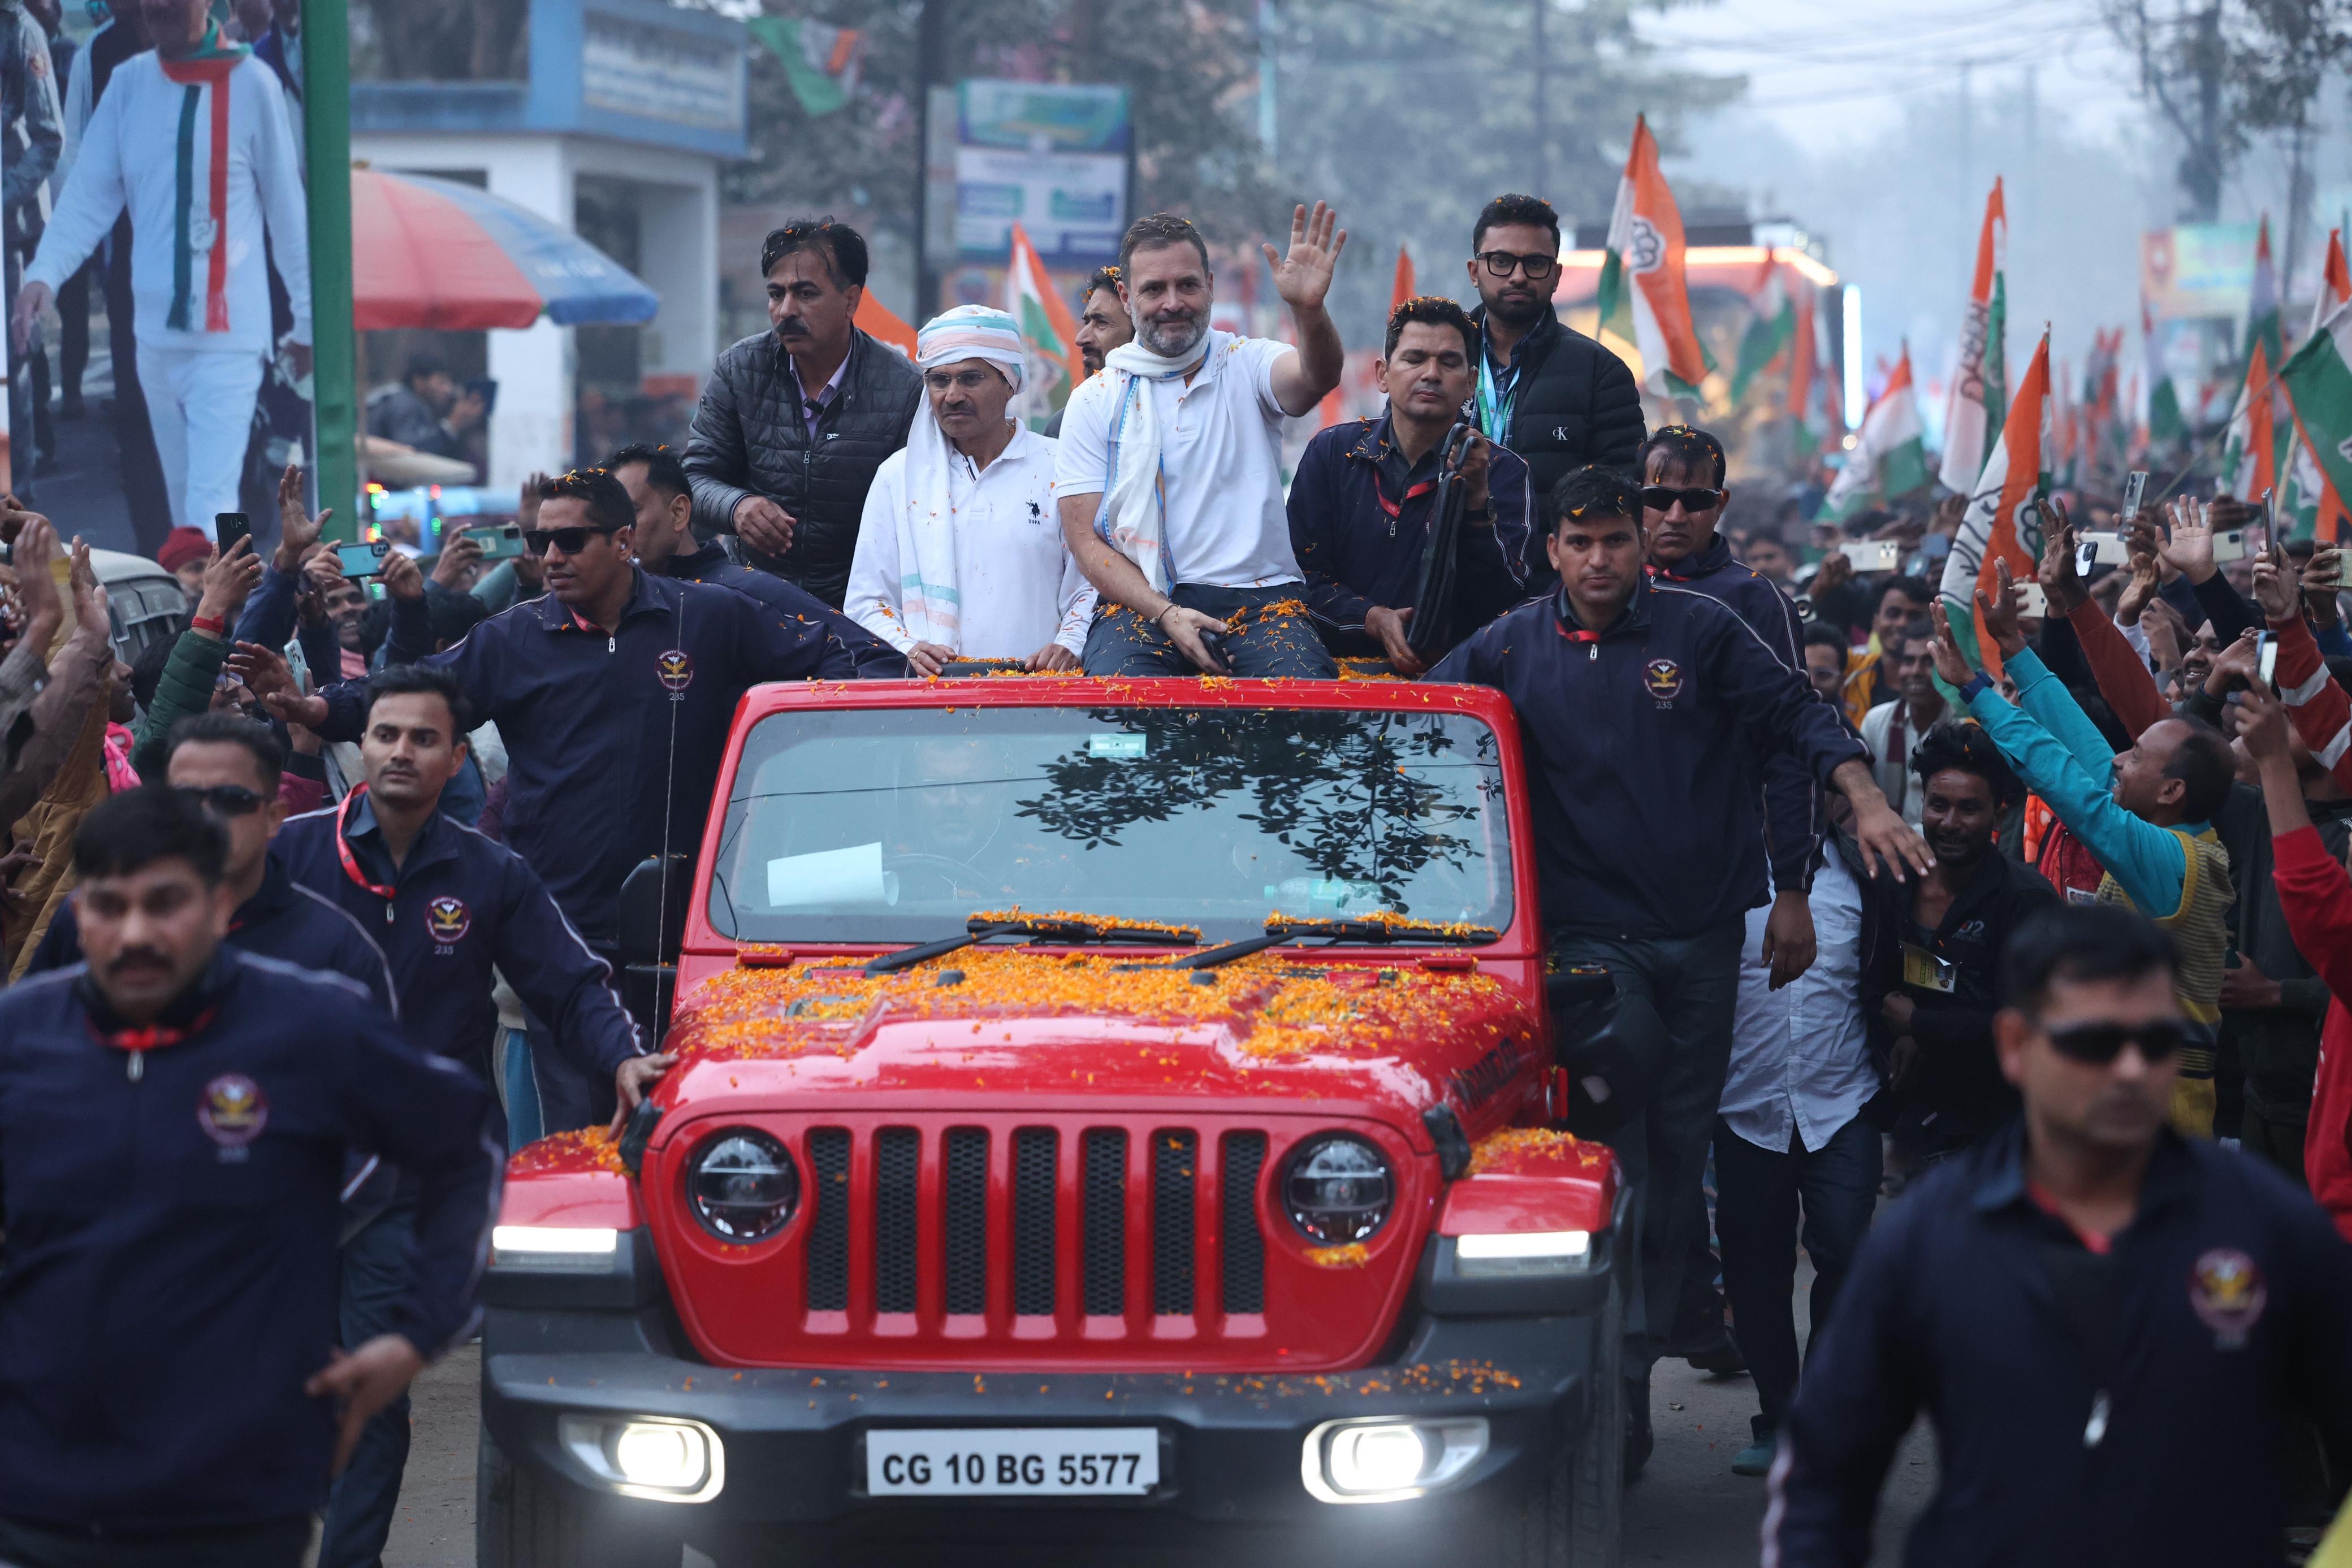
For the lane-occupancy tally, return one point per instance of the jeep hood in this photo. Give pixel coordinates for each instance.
(986, 1027)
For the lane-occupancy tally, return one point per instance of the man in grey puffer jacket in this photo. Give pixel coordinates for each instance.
(794, 421)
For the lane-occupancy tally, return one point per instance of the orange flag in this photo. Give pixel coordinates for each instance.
(878, 321)
(1404, 290)
(2011, 481)
(1643, 297)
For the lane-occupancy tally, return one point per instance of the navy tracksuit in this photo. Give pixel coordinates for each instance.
(1793, 818)
(168, 1279)
(612, 741)
(1645, 753)
(1645, 745)
(1355, 555)
(2088, 1409)
(461, 903)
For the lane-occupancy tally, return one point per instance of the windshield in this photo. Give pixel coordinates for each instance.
(896, 824)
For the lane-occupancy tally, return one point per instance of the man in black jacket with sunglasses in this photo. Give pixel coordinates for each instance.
(1556, 397)
(2107, 1321)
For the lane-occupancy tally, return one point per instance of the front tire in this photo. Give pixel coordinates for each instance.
(521, 1520)
(1572, 1516)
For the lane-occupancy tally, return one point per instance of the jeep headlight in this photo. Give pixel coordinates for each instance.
(1338, 1189)
(743, 1185)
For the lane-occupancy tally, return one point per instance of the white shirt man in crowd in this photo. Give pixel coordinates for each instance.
(198, 272)
(1169, 477)
(960, 552)
(1892, 728)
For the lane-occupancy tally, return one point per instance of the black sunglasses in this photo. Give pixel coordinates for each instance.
(1500, 262)
(221, 800)
(2098, 1043)
(571, 541)
(1660, 499)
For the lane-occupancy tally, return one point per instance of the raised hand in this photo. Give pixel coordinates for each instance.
(1950, 663)
(403, 578)
(1303, 277)
(2275, 587)
(2000, 612)
(37, 591)
(2060, 581)
(90, 619)
(459, 552)
(228, 581)
(2235, 668)
(298, 530)
(2191, 549)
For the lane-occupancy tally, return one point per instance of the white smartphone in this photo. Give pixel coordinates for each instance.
(2031, 600)
(2135, 486)
(2090, 549)
(1873, 555)
(2229, 545)
(2266, 659)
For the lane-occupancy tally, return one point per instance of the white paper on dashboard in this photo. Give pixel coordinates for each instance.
(853, 875)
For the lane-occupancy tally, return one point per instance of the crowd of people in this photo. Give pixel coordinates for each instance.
(2028, 924)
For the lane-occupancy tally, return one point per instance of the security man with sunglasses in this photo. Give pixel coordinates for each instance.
(614, 695)
(2107, 1323)
(231, 766)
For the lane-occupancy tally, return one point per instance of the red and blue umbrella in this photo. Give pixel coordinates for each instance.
(438, 254)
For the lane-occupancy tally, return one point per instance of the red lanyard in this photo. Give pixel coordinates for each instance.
(153, 1036)
(350, 861)
(1396, 508)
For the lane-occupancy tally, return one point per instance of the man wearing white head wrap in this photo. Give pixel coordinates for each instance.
(959, 554)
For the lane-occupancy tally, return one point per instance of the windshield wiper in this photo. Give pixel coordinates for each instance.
(1280, 933)
(1071, 928)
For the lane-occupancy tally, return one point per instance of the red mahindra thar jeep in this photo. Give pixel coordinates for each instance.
(1104, 1109)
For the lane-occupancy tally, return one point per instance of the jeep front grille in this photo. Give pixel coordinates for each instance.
(1043, 1218)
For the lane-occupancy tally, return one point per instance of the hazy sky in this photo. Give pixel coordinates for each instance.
(1832, 74)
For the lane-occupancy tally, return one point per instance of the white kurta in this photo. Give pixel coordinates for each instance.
(127, 160)
(1019, 587)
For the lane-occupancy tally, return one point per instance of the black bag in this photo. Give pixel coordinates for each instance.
(1430, 630)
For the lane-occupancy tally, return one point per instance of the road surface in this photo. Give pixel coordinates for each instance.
(1688, 1510)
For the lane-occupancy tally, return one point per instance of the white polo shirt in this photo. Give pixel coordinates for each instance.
(1220, 451)
(1020, 587)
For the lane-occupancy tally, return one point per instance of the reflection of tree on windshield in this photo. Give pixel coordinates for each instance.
(1332, 787)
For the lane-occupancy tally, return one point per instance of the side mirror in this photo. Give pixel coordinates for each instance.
(652, 926)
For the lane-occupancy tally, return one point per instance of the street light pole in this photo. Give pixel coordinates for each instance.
(327, 143)
(1542, 106)
(930, 23)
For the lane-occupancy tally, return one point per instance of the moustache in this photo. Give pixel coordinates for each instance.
(791, 327)
(133, 957)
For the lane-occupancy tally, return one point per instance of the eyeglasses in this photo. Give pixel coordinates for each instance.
(1537, 266)
(221, 800)
(571, 541)
(1661, 498)
(2098, 1043)
(970, 380)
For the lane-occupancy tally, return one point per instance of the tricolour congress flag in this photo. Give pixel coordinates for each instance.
(2250, 451)
(1888, 459)
(1973, 409)
(2001, 523)
(1643, 299)
(2262, 325)
(820, 62)
(2318, 380)
(1051, 364)
(1771, 327)
(2306, 493)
